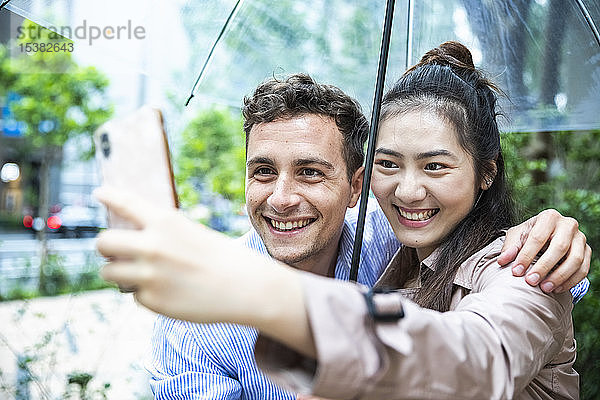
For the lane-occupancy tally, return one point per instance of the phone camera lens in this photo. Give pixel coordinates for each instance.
(105, 144)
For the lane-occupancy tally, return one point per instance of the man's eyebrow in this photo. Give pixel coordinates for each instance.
(259, 160)
(302, 162)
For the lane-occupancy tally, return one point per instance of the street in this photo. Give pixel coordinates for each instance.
(102, 333)
(19, 257)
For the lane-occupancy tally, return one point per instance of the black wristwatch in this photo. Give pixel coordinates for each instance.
(381, 308)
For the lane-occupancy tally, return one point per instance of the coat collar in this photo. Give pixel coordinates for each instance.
(403, 268)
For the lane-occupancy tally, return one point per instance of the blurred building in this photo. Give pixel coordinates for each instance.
(19, 164)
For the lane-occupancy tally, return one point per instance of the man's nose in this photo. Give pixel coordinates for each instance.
(410, 188)
(285, 194)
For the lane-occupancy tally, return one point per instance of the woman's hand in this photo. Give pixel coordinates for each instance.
(565, 258)
(186, 271)
(175, 266)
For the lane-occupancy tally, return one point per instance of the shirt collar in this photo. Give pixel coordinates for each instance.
(463, 275)
(344, 257)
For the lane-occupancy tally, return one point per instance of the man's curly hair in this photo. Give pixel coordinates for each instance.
(298, 95)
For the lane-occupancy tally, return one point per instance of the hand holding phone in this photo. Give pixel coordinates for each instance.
(133, 155)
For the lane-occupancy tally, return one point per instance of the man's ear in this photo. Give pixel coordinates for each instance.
(356, 186)
(488, 178)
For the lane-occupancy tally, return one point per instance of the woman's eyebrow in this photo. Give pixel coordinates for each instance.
(420, 156)
(435, 153)
(389, 152)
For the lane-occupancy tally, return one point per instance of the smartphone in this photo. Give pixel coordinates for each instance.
(133, 155)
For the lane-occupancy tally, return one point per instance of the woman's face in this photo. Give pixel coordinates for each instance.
(423, 179)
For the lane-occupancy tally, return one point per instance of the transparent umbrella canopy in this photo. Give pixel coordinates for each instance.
(543, 53)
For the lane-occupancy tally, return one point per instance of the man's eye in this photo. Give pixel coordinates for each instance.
(434, 166)
(386, 164)
(263, 171)
(310, 172)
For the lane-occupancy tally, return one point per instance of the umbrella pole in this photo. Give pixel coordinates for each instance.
(383, 57)
(409, 33)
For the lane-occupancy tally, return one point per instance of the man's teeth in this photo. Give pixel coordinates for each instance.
(421, 216)
(289, 225)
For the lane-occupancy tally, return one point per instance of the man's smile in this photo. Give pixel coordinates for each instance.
(289, 225)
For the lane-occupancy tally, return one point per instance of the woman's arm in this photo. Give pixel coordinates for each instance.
(184, 270)
(498, 339)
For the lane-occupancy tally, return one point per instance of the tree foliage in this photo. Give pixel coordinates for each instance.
(212, 156)
(572, 186)
(58, 98)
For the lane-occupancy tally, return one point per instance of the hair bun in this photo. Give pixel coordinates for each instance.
(458, 58)
(459, 52)
(450, 53)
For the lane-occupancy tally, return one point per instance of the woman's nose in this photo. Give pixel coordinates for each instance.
(410, 189)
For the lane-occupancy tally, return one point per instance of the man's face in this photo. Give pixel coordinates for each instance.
(297, 188)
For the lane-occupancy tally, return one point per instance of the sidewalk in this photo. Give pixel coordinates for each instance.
(102, 333)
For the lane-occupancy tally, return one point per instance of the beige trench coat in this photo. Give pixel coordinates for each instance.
(502, 339)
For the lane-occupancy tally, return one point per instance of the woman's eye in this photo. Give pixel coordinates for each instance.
(434, 166)
(386, 164)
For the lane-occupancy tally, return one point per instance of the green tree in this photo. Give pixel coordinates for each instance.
(573, 188)
(58, 100)
(212, 154)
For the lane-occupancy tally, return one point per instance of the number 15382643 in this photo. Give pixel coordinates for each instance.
(46, 47)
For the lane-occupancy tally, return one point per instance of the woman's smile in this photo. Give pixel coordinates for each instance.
(416, 218)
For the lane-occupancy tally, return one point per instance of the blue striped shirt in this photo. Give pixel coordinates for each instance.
(216, 361)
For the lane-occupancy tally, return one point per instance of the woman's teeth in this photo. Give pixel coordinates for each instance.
(289, 225)
(421, 216)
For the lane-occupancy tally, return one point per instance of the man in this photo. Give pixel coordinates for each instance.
(304, 153)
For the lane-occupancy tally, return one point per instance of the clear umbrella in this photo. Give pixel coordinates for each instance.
(542, 52)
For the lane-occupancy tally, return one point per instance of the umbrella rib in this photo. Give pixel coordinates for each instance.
(209, 57)
(409, 33)
(4, 4)
(589, 20)
(381, 70)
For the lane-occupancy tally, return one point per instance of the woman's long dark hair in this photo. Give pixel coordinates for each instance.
(447, 83)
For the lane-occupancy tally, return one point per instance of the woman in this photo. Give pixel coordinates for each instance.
(439, 177)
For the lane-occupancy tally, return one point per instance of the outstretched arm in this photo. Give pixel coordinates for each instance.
(565, 258)
(186, 271)
(481, 341)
